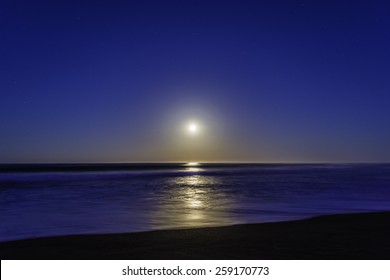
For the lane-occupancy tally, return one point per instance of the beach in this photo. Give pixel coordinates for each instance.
(344, 236)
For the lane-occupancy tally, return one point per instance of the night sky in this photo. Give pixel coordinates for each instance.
(266, 81)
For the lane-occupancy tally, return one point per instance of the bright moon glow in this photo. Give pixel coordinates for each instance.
(193, 128)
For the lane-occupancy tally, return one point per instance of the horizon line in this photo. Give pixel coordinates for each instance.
(201, 162)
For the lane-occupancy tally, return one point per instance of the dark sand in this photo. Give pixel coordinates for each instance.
(350, 236)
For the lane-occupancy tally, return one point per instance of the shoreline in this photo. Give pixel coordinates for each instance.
(340, 236)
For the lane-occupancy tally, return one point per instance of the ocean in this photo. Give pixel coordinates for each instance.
(38, 200)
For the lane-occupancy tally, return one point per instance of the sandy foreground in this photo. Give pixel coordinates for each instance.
(344, 236)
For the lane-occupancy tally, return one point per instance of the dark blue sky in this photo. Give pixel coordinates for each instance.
(265, 81)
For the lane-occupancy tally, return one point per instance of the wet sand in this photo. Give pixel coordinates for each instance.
(344, 236)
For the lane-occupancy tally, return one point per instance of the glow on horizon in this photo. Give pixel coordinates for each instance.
(192, 167)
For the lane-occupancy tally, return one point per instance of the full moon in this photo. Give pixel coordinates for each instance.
(192, 128)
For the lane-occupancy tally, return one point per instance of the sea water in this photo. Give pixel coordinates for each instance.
(49, 200)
